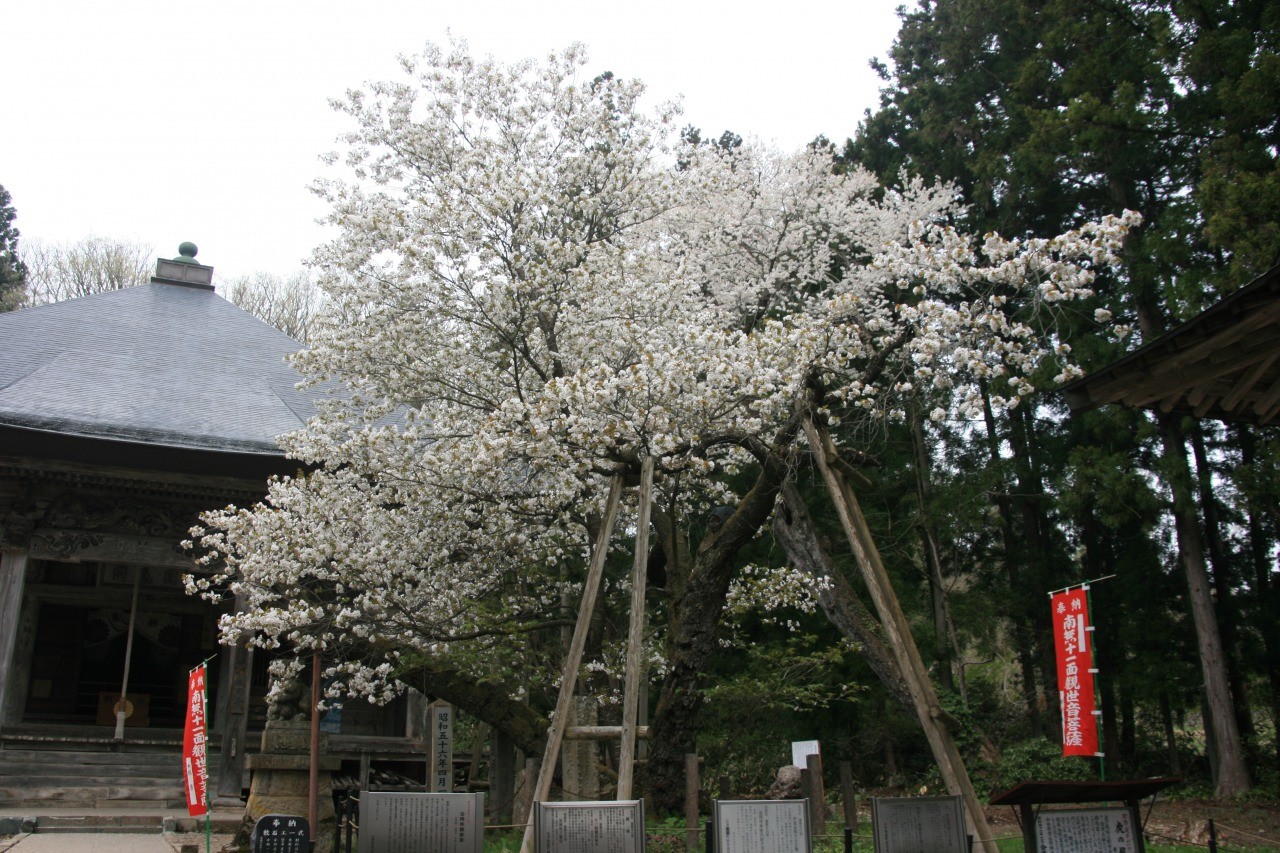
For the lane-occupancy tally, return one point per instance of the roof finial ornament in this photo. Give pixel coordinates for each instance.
(187, 253)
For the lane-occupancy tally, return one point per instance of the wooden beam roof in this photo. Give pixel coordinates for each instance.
(1223, 364)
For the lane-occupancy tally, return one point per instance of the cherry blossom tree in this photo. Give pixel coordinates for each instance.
(534, 286)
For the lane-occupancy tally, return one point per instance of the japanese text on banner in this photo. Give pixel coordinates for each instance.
(1074, 647)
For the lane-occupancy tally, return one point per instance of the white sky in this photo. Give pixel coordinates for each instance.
(160, 121)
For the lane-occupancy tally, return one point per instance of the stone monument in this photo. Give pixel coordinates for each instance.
(281, 778)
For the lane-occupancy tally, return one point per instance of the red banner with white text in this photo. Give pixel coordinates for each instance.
(1073, 642)
(195, 759)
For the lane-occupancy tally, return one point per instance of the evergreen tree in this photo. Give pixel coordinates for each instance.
(13, 272)
(1042, 113)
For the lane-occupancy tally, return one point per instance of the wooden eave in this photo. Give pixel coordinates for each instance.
(1223, 364)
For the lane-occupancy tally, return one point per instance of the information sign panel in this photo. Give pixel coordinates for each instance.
(919, 825)
(581, 827)
(762, 826)
(801, 750)
(1086, 831)
(421, 823)
(280, 833)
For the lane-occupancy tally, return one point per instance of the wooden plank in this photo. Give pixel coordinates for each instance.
(931, 715)
(635, 634)
(577, 646)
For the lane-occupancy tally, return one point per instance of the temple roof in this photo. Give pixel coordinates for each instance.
(169, 364)
(1224, 363)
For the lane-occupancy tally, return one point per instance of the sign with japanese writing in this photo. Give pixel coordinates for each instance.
(280, 833)
(918, 825)
(582, 827)
(1085, 831)
(801, 750)
(1073, 644)
(195, 754)
(440, 730)
(762, 826)
(421, 823)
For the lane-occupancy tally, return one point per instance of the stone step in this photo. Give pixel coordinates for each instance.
(97, 772)
(80, 796)
(9, 757)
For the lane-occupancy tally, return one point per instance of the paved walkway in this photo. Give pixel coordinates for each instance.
(88, 842)
(146, 839)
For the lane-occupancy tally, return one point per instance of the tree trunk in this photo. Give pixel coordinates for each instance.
(694, 629)
(1232, 775)
(794, 528)
(1022, 636)
(1224, 583)
(489, 703)
(945, 652)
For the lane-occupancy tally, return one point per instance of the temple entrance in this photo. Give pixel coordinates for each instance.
(94, 622)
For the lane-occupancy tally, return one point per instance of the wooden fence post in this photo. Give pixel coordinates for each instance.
(817, 793)
(692, 785)
(846, 794)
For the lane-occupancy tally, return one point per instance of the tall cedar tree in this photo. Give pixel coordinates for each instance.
(1042, 113)
(13, 272)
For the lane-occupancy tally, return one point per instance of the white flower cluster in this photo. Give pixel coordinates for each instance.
(530, 289)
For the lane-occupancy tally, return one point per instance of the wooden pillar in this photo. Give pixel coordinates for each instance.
(847, 795)
(933, 719)
(13, 575)
(502, 777)
(233, 718)
(817, 794)
(573, 660)
(635, 670)
(692, 785)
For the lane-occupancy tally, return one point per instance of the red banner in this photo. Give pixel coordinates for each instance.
(195, 759)
(1073, 642)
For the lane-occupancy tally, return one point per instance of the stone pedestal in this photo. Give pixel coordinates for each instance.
(282, 778)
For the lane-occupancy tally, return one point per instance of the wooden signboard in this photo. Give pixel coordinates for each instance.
(440, 770)
(1086, 831)
(582, 827)
(919, 825)
(762, 826)
(421, 823)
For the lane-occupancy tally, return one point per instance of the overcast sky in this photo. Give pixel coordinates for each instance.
(160, 121)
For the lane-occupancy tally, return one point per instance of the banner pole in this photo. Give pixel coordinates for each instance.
(1093, 639)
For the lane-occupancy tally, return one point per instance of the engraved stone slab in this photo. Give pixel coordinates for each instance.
(762, 826)
(280, 833)
(421, 823)
(605, 827)
(919, 825)
(1086, 831)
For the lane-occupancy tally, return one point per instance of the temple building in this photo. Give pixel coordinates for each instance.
(123, 415)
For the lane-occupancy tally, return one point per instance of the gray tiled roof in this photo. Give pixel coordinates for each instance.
(156, 364)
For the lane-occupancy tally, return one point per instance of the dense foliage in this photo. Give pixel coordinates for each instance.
(1044, 114)
(13, 272)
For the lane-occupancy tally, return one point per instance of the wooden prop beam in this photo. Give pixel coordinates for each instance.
(635, 635)
(573, 662)
(933, 718)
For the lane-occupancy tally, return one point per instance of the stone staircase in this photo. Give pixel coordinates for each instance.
(88, 778)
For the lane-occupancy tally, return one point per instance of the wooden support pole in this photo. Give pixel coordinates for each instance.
(573, 661)
(817, 794)
(847, 795)
(635, 634)
(933, 719)
(313, 782)
(601, 733)
(692, 785)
